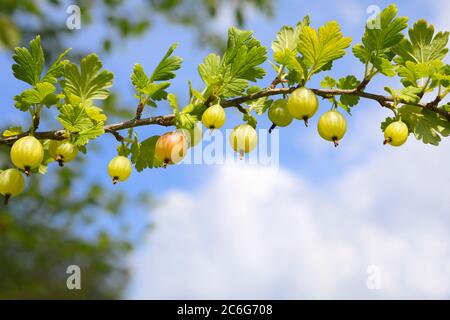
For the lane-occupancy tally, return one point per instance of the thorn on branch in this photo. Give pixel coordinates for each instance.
(139, 111)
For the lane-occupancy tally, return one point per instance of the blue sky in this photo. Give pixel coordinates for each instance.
(308, 230)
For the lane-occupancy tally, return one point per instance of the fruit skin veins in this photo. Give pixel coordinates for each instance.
(12, 183)
(332, 126)
(119, 168)
(171, 148)
(396, 133)
(303, 104)
(194, 135)
(279, 114)
(243, 139)
(214, 117)
(62, 151)
(27, 153)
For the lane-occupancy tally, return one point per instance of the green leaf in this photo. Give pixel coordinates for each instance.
(408, 94)
(42, 169)
(183, 119)
(251, 120)
(143, 85)
(195, 94)
(29, 63)
(74, 118)
(382, 40)
(386, 122)
(186, 120)
(39, 93)
(384, 66)
(210, 71)
(243, 56)
(362, 53)
(166, 67)
(88, 81)
(139, 78)
(156, 91)
(172, 99)
(96, 113)
(423, 45)
(253, 89)
(320, 49)
(123, 150)
(56, 70)
(290, 60)
(328, 82)
(260, 105)
(287, 38)
(412, 72)
(379, 41)
(347, 83)
(143, 154)
(440, 77)
(12, 131)
(20, 103)
(229, 76)
(83, 136)
(426, 125)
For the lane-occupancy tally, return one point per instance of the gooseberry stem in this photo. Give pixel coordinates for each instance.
(6, 200)
(335, 141)
(60, 160)
(273, 126)
(305, 119)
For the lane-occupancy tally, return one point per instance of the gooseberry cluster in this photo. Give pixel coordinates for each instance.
(303, 104)
(27, 155)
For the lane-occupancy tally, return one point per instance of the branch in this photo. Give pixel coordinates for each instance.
(166, 120)
(169, 119)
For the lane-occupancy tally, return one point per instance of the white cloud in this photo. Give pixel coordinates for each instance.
(440, 20)
(253, 232)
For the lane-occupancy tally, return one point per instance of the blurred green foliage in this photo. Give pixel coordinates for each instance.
(54, 225)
